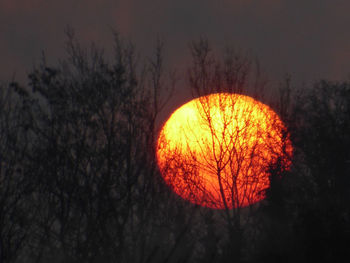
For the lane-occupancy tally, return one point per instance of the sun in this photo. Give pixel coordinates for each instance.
(217, 150)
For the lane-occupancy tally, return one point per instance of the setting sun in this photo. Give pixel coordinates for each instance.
(217, 150)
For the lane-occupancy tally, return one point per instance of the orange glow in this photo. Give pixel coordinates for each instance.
(216, 150)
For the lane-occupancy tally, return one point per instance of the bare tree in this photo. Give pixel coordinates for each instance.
(94, 190)
(79, 180)
(90, 121)
(15, 188)
(236, 156)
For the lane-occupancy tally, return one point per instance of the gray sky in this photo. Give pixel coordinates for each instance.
(309, 39)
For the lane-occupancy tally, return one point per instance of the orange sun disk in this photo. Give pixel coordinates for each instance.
(217, 150)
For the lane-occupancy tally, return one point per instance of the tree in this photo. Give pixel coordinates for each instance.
(321, 128)
(95, 190)
(216, 151)
(15, 214)
(79, 180)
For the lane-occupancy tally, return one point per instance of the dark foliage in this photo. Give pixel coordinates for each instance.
(79, 180)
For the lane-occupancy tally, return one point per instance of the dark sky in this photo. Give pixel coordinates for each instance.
(309, 39)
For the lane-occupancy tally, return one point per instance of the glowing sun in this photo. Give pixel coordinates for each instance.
(217, 150)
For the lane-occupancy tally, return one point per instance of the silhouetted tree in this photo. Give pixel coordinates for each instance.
(79, 180)
(321, 132)
(233, 74)
(15, 212)
(96, 193)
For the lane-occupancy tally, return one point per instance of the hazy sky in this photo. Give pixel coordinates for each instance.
(309, 39)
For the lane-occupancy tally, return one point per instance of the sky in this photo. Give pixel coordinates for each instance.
(308, 39)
